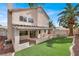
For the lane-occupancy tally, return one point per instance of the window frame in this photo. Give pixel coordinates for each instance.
(23, 19)
(22, 33)
(30, 20)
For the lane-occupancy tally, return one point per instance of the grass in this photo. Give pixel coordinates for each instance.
(54, 47)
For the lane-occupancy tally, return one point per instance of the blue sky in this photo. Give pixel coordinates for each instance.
(52, 9)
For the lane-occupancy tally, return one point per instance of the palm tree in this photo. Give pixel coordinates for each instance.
(35, 5)
(68, 17)
(51, 24)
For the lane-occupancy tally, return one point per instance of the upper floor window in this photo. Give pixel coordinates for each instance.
(30, 20)
(23, 18)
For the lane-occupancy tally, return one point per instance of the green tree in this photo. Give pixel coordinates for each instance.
(51, 24)
(35, 5)
(68, 17)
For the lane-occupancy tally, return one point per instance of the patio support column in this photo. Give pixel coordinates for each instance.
(28, 33)
(17, 37)
(46, 32)
(42, 33)
(37, 33)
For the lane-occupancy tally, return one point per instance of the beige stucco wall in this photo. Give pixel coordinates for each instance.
(15, 17)
(42, 19)
(34, 16)
(17, 45)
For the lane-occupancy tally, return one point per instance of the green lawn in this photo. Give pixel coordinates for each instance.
(54, 47)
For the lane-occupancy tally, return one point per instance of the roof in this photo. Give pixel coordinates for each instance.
(17, 10)
(3, 27)
(62, 28)
(22, 9)
(45, 13)
(29, 27)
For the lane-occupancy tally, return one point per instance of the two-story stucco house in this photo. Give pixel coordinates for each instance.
(28, 26)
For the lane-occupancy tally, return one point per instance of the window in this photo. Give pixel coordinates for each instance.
(30, 20)
(24, 19)
(23, 36)
(23, 33)
(39, 31)
(21, 18)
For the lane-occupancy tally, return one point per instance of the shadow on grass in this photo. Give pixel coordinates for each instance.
(58, 40)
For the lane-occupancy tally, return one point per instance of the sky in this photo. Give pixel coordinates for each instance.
(52, 9)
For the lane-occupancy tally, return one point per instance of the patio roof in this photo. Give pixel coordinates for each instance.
(24, 27)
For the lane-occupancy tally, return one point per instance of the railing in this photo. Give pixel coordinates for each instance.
(47, 37)
(36, 40)
(23, 41)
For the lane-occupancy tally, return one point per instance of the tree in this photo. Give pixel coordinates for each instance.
(35, 5)
(51, 24)
(68, 17)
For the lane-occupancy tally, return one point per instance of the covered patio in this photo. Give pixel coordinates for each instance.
(24, 36)
(31, 34)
